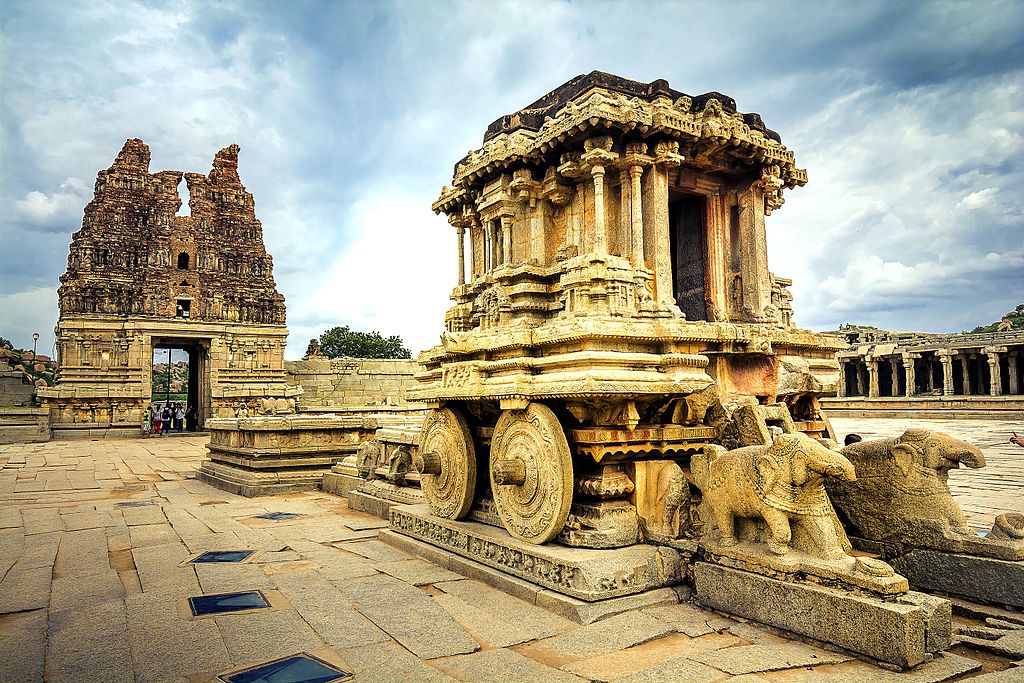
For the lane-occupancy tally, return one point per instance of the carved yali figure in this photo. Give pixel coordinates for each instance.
(368, 457)
(781, 483)
(901, 497)
(398, 465)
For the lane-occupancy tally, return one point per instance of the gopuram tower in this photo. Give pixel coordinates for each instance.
(140, 277)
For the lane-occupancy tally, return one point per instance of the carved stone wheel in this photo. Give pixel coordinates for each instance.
(531, 473)
(447, 463)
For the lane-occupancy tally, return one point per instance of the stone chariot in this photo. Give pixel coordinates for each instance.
(618, 314)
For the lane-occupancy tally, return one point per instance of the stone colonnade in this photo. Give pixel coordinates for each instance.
(955, 368)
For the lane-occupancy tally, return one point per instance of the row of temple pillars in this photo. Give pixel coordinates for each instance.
(497, 245)
(497, 233)
(991, 371)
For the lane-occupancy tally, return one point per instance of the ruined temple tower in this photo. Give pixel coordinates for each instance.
(141, 277)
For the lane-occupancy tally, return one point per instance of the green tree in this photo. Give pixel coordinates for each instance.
(341, 341)
(5, 343)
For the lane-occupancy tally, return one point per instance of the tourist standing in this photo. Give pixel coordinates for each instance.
(165, 419)
(190, 418)
(179, 418)
(156, 419)
(147, 421)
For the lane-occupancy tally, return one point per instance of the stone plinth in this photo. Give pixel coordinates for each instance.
(24, 424)
(902, 632)
(978, 578)
(259, 456)
(586, 574)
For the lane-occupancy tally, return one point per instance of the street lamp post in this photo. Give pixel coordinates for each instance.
(35, 338)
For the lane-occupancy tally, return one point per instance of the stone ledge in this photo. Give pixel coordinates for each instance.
(899, 633)
(250, 483)
(581, 573)
(978, 578)
(340, 484)
(580, 611)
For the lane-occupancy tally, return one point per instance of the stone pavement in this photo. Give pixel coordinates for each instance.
(95, 538)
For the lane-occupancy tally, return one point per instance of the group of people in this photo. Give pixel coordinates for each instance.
(170, 417)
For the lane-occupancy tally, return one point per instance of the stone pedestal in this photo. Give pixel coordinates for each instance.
(979, 578)
(903, 632)
(582, 573)
(261, 456)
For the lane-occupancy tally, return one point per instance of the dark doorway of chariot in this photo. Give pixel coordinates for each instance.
(178, 379)
(687, 216)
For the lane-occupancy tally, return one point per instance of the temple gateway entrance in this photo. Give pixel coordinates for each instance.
(180, 374)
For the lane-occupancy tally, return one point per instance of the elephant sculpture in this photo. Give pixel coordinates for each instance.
(901, 495)
(781, 483)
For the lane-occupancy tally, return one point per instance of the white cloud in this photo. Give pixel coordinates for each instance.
(23, 313)
(394, 276)
(979, 199)
(57, 209)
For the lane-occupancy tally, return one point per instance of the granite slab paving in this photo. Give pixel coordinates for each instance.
(261, 636)
(676, 669)
(105, 588)
(625, 662)
(410, 616)
(614, 633)
(327, 610)
(390, 663)
(503, 666)
(416, 571)
(89, 644)
(23, 646)
(750, 659)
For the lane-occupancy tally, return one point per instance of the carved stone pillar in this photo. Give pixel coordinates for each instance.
(506, 240)
(894, 374)
(965, 371)
(461, 232)
(1011, 360)
(754, 253)
(474, 247)
(946, 357)
(862, 378)
(841, 383)
(995, 377)
(655, 206)
(910, 373)
(872, 377)
(537, 220)
(600, 244)
(717, 246)
(636, 215)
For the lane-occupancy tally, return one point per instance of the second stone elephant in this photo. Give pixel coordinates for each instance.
(901, 496)
(781, 483)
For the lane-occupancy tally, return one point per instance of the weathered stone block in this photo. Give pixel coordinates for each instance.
(979, 578)
(580, 573)
(892, 632)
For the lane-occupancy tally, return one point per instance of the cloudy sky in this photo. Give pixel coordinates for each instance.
(908, 116)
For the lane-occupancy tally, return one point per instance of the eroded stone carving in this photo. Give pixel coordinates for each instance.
(783, 484)
(901, 499)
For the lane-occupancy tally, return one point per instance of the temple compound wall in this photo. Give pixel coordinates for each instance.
(938, 375)
(141, 277)
(349, 382)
